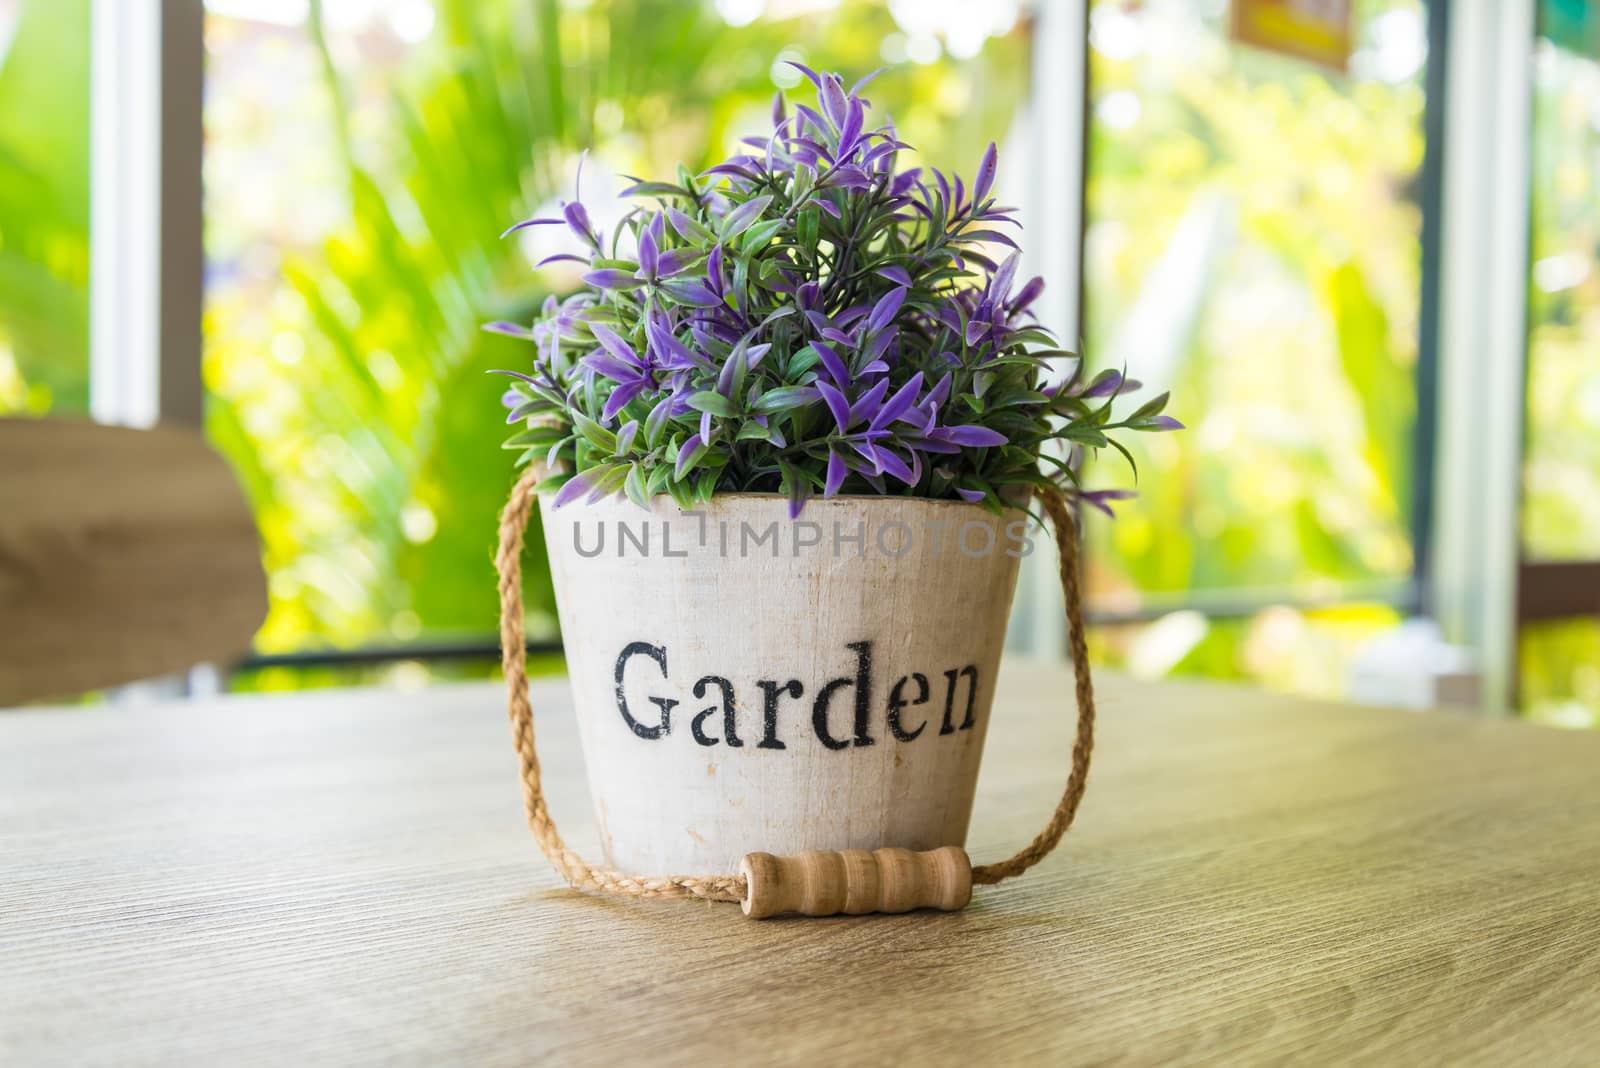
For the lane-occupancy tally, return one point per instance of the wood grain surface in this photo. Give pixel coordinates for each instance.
(124, 554)
(342, 878)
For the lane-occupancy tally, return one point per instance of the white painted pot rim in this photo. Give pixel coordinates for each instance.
(779, 498)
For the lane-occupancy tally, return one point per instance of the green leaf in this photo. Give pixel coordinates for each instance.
(659, 189)
(803, 360)
(753, 431)
(761, 233)
(597, 435)
(551, 483)
(692, 462)
(713, 402)
(698, 231)
(806, 224)
(1126, 455)
(611, 478)
(634, 487)
(655, 424)
(682, 492)
(536, 435)
(1151, 407)
(1085, 434)
(784, 398)
(804, 178)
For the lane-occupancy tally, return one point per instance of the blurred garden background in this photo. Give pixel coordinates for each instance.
(1253, 239)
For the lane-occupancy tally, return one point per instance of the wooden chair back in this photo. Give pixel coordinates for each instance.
(124, 554)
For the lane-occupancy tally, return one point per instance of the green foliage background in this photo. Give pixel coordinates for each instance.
(1254, 245)
(44, 210)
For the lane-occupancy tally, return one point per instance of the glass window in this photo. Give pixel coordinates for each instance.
(1559, 665)
(1253, 244)
(44, 207)
(1559, 659)
(1561, 474)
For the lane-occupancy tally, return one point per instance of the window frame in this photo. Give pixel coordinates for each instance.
(147, 251)
(1547, 591)
(147, 300)
(1415, 594)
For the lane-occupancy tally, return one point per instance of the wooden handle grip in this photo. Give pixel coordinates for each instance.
(855, 882)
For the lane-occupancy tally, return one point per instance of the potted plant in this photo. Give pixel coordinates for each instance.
(790, 431)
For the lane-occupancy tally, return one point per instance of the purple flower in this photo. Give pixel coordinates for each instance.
(692, 293)
(837, 472)
(868, 405)
(1027, 295)
(884, 311)
(674, 261)
(834, 104)
(836, 404)
(835, 366)
(612, 278)
(897, 275)
(615, 345)
(1100, 498)
(739, 219)
(972, 437)
(571, 490)
(686, 453)
(985, 178)
(649, 254)
(619, 399)
(848, 345)
(900, 403)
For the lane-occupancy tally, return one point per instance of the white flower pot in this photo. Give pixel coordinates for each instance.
(747, 683)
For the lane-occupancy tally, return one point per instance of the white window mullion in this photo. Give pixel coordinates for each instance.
(1052, 209)
(145, 216)
(1483, 333)
(124, 213)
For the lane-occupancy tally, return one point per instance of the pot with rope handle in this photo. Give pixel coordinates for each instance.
(747, 682)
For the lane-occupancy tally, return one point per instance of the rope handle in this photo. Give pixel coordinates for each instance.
(742, 888)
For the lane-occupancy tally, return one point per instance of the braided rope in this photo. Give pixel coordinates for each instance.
(585, 876)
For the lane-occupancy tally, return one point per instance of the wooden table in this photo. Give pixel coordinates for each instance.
(345, 877)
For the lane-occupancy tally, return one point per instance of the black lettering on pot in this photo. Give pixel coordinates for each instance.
(951, 678)
(713, 693)
(769, 710)
(863, 684)
(897, 703)
(666, 704)
(697, 725)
